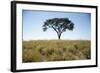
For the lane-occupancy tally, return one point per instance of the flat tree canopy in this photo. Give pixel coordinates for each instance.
(59, 25)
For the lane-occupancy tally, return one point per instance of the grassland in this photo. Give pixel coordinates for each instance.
(55, 50)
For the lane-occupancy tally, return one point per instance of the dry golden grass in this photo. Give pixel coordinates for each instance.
(56, 50)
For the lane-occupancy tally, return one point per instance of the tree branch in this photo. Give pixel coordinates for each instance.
(55, 29)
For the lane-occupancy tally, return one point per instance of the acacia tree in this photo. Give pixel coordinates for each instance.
(59, 25)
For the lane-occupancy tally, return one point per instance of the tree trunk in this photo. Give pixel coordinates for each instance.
(59, 35)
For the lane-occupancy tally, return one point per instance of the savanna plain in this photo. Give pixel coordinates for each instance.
(55, 50)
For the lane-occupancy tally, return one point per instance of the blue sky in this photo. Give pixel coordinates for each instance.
(34, 20)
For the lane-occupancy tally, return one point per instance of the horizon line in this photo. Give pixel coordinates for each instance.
(57, 39)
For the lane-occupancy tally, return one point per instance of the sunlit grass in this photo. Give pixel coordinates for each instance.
(56, 50)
